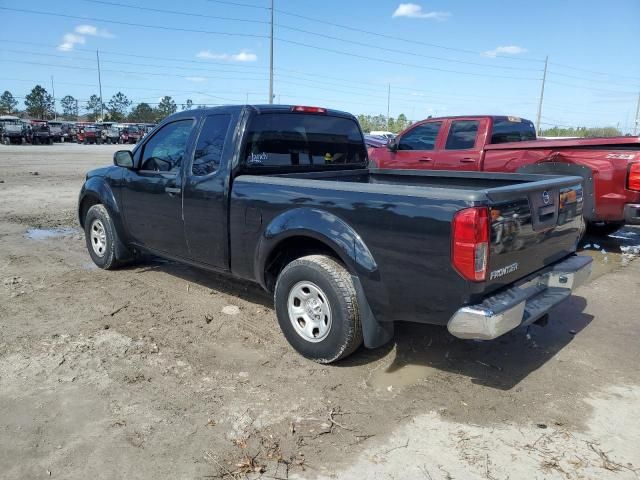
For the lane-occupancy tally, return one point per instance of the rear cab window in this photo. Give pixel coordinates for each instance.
(299, 141)
(512, 129)
(462, 134)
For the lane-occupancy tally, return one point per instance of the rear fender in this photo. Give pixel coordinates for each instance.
(563, 168)
(347, 245)
(319, 225)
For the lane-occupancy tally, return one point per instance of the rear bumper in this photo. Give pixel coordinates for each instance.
(522, 304)
(632, 214)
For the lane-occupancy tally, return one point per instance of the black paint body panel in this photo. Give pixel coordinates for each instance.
(392, 229)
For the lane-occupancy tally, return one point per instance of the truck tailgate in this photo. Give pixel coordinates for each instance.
(531, 226)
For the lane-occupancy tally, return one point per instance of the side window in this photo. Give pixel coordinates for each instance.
(462, 135)
(423, 137)
(165, 151)
(208, 152)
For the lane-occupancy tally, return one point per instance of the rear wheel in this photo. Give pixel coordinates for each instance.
(603, 229)
(317, 308)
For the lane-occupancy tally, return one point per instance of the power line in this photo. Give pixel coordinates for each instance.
(590, 88)
(131, 24)
(308, 32)
(392, 62)
(393, 37)
(176, 12)
(594, 72)
(238, 4)
(122, 71)
(404, 52)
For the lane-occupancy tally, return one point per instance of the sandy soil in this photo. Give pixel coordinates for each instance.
(164, 371)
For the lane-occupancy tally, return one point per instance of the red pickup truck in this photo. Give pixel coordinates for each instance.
(610, 166)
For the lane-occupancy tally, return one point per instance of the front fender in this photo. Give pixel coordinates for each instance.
(320, 225)
(98, 190)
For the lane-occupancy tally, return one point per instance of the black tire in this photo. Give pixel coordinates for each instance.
(98, 218)
(344, 335)
(50, 141)
(603, 229)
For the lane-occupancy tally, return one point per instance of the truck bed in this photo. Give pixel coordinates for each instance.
(404, 218)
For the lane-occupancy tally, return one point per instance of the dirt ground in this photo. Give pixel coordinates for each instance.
(164, 371)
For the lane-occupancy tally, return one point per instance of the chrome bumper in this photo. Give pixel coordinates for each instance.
(522, 304)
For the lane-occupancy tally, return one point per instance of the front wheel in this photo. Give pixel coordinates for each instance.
(101, 237)
(317, 308)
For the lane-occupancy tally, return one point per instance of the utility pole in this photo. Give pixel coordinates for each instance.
(271, 60)
(544, 79)
(100, 86)
(388, 103)
(636, 123)
(53, 92)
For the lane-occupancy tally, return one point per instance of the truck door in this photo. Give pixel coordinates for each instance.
(205, 202)
(151, 194)
(417, 147)
(461, 150)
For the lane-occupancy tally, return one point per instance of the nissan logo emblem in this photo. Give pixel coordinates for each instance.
(545, 197)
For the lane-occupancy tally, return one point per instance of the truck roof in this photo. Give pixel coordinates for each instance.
(260, 108)
(494, 117)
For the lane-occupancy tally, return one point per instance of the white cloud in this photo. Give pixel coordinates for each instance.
(93, 31)
(243, 56)
(506, 50)
(413, 10)
(70, 40)
(196, 79)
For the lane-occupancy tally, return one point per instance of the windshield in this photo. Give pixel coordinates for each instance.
(301, 140)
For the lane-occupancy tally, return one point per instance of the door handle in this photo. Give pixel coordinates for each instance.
(172, 190)
(467, 160)
(425, 159)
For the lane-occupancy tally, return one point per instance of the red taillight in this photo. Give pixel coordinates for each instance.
(633, 179)
(470, 243)
(303, 109)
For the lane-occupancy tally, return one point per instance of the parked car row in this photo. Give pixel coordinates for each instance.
(14, 130)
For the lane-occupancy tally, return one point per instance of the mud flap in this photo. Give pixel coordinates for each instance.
(375, 333)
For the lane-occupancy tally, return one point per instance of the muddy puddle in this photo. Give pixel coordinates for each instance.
(48, 233)
(612, 252)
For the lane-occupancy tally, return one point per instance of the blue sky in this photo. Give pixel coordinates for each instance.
(439, 58)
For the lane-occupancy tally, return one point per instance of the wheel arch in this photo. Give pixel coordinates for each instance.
(303, 231)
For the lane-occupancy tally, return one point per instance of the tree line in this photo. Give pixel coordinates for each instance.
(371, 123)
(39, 104)
(582, 132)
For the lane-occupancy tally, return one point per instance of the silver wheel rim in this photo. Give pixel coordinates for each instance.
(98, 237)
(309, 311)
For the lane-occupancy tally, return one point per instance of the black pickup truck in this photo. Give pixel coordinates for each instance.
(282, 196)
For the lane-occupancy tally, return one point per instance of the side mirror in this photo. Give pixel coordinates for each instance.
(392, 144)
(123, 158)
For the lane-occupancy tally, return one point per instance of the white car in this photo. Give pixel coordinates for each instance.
(381, 133)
